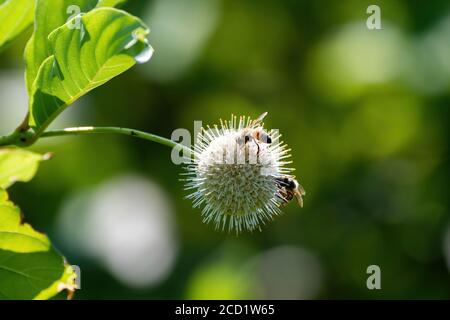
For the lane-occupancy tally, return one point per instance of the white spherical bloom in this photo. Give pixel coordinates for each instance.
(237, 175)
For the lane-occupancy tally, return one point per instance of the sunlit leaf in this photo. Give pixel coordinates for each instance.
(18, 165)
(29, 266)
(15, 17)
(66, 281)
(18, 237)
(3, 195)
(110, 3)
(107, 43)
(51, 14)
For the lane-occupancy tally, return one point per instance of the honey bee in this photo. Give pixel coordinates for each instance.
(289, 188)
(255, 132)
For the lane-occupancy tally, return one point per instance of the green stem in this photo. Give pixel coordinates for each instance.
(125, 131)
(13, 138)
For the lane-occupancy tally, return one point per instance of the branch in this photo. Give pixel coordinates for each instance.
(27, 138)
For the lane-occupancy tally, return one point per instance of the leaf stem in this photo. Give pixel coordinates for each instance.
(115, 130)
(24, 126)
(12, 139)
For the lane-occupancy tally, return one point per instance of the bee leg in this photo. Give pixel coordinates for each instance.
(285, 201)
(257, 153)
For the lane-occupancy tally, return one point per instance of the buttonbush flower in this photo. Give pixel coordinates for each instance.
(236, 177)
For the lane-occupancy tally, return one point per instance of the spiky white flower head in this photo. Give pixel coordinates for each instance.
(234, 174)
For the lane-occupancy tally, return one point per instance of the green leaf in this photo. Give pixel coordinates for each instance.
(51, 14)
(15, 16)
(109, 42)
(110, 3)
(18, 165)
(66, 281)
(18, 237)
(3, 195)
(30, 268)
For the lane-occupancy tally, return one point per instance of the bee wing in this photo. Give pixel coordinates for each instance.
(259, 119)
(298, 194)
(301, 190)
(299, 200)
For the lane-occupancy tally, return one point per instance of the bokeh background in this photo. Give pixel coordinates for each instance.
(365, 112)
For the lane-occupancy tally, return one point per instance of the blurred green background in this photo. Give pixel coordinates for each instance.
(365, 112)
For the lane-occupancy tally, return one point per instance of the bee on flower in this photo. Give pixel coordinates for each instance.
(239, 175)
